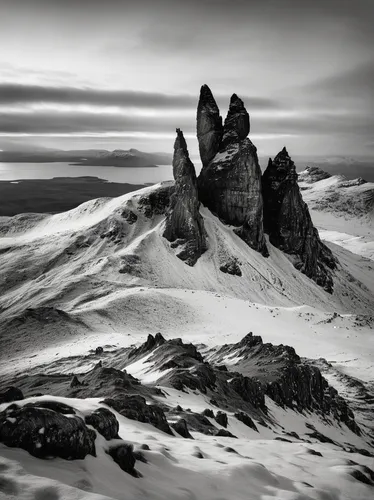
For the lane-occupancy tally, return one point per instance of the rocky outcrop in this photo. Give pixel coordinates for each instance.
(278, 372)
(123, 455)
(230, 183)
(184, 226)
(135, 407)
(46, 433)
(105, 422)
(289, 225)
(209, 126)
(313, 174)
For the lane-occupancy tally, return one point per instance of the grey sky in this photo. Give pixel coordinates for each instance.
(132, 70)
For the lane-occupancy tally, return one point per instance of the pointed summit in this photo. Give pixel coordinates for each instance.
(209, 125)
(184, 226)
(288, 222)
(237, 125)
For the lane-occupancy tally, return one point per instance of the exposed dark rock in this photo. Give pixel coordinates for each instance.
(123, 455)
(279, 438)
(208, 413)
(181, 428)
(157, 201)
(196, 422)
(151, 343)
(184, 225)
(11, 394)
(236, 127)
(289, 225)
(231, 267)
(99, 350)
(246, 419)
(105, 422)
(278, 372)
(320, 437)
(197, 454)
(46, 433)
(250, 390)
(74, 382)
(129, 216)
(209, 125)
(230, 183)
(225, 433)
(363, 478)
(230, 450)
(221, 418)
(136, 408)
(145, 447)
(52, 405)
(314, 452)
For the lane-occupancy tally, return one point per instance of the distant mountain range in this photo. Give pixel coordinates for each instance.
(94, 157)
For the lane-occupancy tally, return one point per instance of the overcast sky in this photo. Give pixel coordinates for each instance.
(126, 73)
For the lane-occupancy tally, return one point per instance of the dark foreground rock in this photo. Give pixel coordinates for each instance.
(289, 225)
(123, 455)
(184, 226)
(136, 408)
(11, 394)
(46, 433)
(105, 422)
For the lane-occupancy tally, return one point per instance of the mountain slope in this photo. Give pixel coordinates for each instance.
(342, 209)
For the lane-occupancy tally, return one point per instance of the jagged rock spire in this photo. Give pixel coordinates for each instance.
(230, 182)
(288, 222)
(184, 226)
(209, 125)
(237, 125)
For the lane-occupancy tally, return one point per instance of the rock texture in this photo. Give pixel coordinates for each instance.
(184, 226)
(105, 422)
(209, 126)
(289, 225)
(230, 182)
(46, 433)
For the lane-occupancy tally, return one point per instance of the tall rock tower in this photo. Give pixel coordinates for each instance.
(288, 222)
(230, 180)
(184, 226)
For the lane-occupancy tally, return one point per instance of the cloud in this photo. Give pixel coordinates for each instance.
(17, 94)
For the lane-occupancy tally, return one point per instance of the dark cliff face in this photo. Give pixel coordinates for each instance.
(209, 125)
(230, 184)
(184, 226)
(288, 222)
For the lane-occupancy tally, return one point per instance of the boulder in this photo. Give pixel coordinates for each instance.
(221, 418)
(123, 455)
(46, 433)
(288, 223)
(184, 226)
(105, 422)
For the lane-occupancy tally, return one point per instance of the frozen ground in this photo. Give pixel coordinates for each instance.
(87, 278)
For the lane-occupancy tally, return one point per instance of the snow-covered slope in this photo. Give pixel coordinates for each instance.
(342, 209)
(103, 275)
